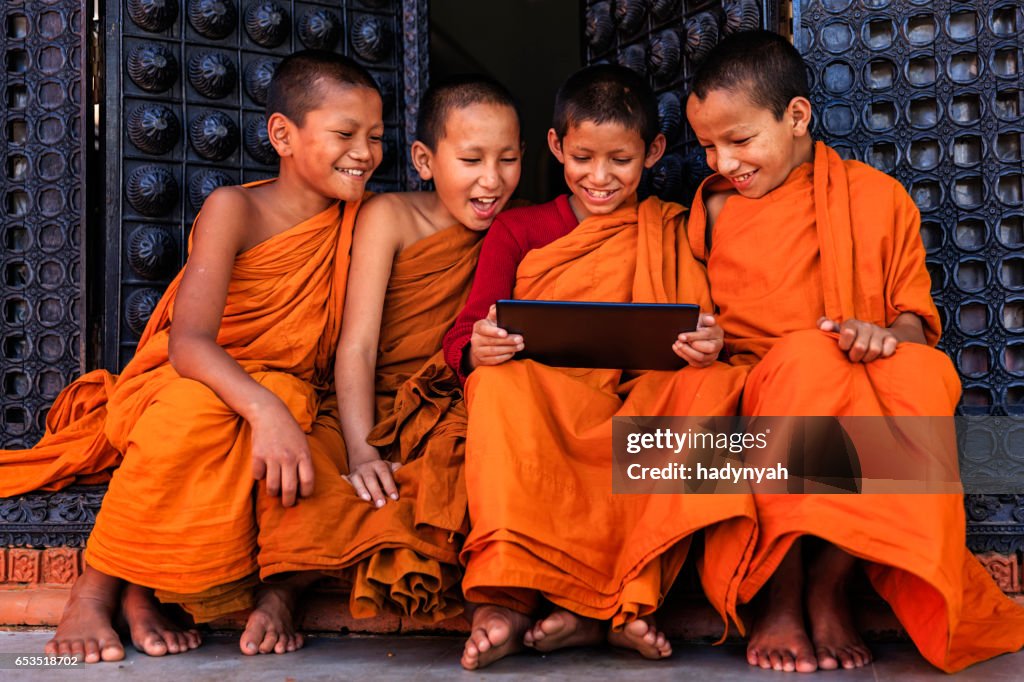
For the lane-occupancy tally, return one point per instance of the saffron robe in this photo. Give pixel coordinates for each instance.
(544, 521)
(403, 557)
(841, 239)
(178, 513)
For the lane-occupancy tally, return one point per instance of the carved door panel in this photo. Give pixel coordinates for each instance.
(185, 88)
(42, 208)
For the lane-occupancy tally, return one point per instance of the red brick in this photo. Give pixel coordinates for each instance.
(60, 565)
(1004, 570)
(23, 565)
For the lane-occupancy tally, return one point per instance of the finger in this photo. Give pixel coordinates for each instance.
(273, 479)
(889, 346)
(860, 344)
(688, 353)
(307, 476)
(395, 466)
(289, 484)
(496, 360)
(707, 320)
(707, 347)
(827, 325)
(373, 487)
(492, 314)
(259, 469)
(488, 330)
(357, 482)
(874, 348)
(387, 481)
(490, 341)
(847, 335)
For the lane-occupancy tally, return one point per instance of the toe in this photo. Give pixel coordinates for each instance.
(776, 660)
(788, 662)
(269, 641)
(154, 645)
(805, 662)
(64, 648)
(52, 648)
(751, 656)
(111, 649)
(480, 640)
(827, 659)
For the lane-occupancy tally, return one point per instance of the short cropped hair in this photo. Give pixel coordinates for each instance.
(457, 92)
(761, 64)
(297, 85)
(607, 93)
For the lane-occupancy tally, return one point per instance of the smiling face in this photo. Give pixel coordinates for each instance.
(338, 145)
(746, 143)
(477, 162)
(603, 164)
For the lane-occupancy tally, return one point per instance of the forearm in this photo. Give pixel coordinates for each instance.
(353, 380)
(907, 328)
(206, 362)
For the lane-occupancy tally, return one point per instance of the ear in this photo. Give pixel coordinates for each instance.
(279, 130)
(555, 145)
(799, 112)
(422, 158)
(655, 150)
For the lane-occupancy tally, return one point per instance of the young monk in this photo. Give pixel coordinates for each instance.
(223, 388)
(848, 330)
(390, 526)
(534, 506)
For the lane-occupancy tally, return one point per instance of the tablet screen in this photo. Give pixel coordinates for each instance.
(602, 335)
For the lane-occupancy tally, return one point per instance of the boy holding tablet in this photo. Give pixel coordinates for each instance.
(597, 244)
(847, 331)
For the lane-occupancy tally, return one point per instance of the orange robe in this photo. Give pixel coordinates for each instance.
(402, 558)
(841, 239)
(544, 521)
(178, 513)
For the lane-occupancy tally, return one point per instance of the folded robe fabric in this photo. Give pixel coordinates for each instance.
(403, 557)
(840, 239)
(544, 520)
(178, 513)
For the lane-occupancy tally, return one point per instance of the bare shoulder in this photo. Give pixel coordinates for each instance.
(384, 220)
(714, 202)
(225, 215)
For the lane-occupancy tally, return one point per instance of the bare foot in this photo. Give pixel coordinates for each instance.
(778, 638)
(644, 638)
(563, 629)
(496, 633)
(836, 640)
(86, 628)
(152, 632)
(270, 626)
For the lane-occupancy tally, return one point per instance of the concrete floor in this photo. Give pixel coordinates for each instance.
(408, 658)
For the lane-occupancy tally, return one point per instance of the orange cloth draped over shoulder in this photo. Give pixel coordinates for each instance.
(544, 521)
(402, 558)
(178, 513)
(841, 239)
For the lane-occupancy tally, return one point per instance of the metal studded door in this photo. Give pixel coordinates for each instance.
(186, 84)
(663, 40)
(42, 213)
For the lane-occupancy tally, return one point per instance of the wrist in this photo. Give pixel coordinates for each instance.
(362, 456)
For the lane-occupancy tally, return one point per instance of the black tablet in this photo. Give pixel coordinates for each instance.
(607, 335)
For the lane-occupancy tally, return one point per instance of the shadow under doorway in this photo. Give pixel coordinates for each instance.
(530, 46)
